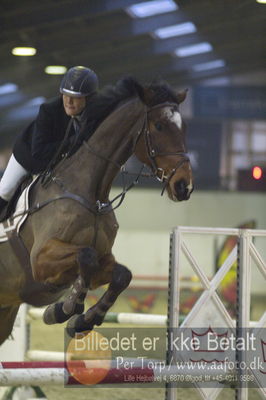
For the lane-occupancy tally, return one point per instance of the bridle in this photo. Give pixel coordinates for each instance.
(158, 172)
(100, 208)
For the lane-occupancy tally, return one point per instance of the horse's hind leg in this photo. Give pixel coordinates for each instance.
(7, 318)
(120, 279)
(74, 303)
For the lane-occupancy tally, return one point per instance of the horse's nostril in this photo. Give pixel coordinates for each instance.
(181, 190)
(180, 186)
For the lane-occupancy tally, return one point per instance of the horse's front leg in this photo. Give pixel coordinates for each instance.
(120, 279)
(60, 263)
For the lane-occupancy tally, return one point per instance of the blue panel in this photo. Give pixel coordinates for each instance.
(230, 102)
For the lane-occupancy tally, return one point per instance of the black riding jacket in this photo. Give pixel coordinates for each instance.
(35, 147)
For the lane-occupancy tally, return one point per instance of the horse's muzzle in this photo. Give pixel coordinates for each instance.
(182, 190)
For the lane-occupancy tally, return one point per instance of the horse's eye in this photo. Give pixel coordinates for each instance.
(158, 126)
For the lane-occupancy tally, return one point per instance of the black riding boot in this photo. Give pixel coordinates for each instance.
(3, 203)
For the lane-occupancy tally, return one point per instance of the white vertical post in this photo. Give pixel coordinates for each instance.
(174, 278)
(173, 300)
(243, 309)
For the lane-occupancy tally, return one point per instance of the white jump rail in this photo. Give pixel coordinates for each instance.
(59, 373)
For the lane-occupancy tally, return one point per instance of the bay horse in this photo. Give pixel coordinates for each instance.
(69, 239)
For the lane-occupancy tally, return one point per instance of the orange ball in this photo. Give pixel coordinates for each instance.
(93, 349)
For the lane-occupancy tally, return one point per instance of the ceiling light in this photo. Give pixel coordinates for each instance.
(193, 49)
(149, 8)
(55, 69)
(23, 113)
(10, 99)
(35, 101)
(8, 88)
(208, 65)
(175, 30)
(261, 1)
(24, 51)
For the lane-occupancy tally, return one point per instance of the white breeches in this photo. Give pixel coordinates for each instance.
(13, 176)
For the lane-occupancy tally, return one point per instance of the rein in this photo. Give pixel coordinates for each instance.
(100, 208)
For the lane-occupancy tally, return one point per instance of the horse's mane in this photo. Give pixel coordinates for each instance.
(107, 99)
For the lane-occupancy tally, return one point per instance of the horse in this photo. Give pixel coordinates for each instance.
(71, 226)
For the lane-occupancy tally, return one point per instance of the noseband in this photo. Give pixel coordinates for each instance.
(160, 173)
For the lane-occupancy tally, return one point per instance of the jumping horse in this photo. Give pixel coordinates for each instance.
(71, 227)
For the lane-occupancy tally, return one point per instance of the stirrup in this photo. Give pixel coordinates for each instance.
(3, 209)
(3, 204)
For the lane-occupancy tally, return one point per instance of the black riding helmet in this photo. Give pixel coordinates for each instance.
(79, 81)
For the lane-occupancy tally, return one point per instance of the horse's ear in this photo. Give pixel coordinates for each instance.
(145, 94)
(181, 96)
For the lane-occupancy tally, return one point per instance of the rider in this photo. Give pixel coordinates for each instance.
(40, 141)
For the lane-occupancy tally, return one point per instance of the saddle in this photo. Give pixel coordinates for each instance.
(15, 214)
(10, 208)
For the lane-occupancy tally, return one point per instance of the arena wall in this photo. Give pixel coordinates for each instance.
(145, 220)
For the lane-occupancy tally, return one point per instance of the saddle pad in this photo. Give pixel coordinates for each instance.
(18, 218)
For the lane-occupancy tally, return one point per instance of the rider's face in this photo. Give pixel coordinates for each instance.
(73, 105)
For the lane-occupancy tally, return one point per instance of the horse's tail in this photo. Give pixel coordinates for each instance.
(7, 318)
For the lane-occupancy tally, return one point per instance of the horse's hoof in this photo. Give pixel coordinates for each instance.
(70, 328)
(77, 324)
(54, 313)
(93, 318)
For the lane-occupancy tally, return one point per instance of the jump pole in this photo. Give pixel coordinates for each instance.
(57, 373)
(115, 318)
